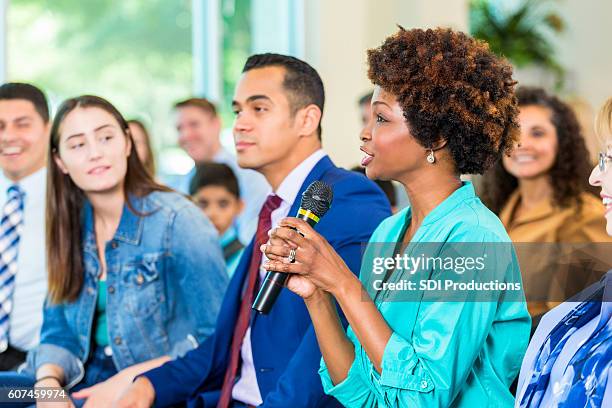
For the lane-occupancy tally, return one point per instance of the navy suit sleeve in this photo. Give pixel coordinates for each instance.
(177, 380)
(201, 369)
(300, 384)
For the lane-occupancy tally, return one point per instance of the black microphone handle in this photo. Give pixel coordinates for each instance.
(275, 281)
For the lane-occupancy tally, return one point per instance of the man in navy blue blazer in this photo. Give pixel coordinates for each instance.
(278, 105)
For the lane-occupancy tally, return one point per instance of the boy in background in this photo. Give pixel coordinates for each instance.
(215, 190)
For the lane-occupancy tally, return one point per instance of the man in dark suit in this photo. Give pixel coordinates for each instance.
(271, 360)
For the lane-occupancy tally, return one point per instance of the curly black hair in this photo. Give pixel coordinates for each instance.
(570, 171)
(451, 88)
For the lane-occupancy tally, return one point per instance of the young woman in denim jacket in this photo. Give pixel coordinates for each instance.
(135, 280)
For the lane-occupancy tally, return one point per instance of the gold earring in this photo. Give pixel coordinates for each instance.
(431, 159)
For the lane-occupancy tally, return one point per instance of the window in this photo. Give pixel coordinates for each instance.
(144, 55)
(135, 53)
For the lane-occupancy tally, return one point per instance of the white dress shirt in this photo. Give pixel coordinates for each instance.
(246, 389)
(31, 279)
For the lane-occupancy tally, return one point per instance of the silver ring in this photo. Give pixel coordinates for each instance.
(291, 257)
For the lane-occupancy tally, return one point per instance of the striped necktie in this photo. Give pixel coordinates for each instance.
(10, 227)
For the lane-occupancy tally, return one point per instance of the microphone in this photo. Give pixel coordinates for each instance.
(316, 200)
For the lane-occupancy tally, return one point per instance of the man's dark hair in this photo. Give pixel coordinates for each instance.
(302, 82)
(18, 90)
(214, 174)
(365, 99)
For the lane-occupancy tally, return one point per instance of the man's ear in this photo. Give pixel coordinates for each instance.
(308, 119)
(216, 123)
(60, 163)
(48, 128)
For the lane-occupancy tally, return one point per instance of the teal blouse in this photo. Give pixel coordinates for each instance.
(441, 353)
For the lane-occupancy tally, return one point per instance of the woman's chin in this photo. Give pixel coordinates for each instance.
(373, 173)
(101, 188)
(528, 174)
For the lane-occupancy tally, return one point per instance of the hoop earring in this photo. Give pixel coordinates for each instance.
(431, 159)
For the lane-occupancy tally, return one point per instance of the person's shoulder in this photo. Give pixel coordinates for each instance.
(591, 205)
(475, 222)
(554, 316)
(168, 200)
(356, 193)
(349, 182)
(390, 226)
(358, 204)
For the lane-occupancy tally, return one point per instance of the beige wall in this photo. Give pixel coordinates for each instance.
(338, 33)
(585, 49)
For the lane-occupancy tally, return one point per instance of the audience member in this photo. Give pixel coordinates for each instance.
(569, 360)
(142, 144)
(407, 348)
(271, 360)
(24, 134)
(400, 198)
(540, 194)
(199, 127)
(365, 108)
(135, 281)
(215, 190)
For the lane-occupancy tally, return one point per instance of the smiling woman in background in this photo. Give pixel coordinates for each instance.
(541, 185)
(540, 194)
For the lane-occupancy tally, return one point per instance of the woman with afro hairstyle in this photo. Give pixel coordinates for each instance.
(443, 106)
(540, 193)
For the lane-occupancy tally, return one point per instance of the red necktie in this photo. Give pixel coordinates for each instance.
(242, 323)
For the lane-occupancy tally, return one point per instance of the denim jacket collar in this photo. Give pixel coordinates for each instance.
(130, 225)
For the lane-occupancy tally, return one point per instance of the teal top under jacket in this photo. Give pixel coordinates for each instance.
(448, 348)
(101, 327)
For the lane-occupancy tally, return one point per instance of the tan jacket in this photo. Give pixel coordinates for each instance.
(546, 223)
(560, 251)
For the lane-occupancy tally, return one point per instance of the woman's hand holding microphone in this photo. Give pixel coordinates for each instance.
(316, 267)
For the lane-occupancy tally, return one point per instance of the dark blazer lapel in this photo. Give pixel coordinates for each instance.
(316, 173)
